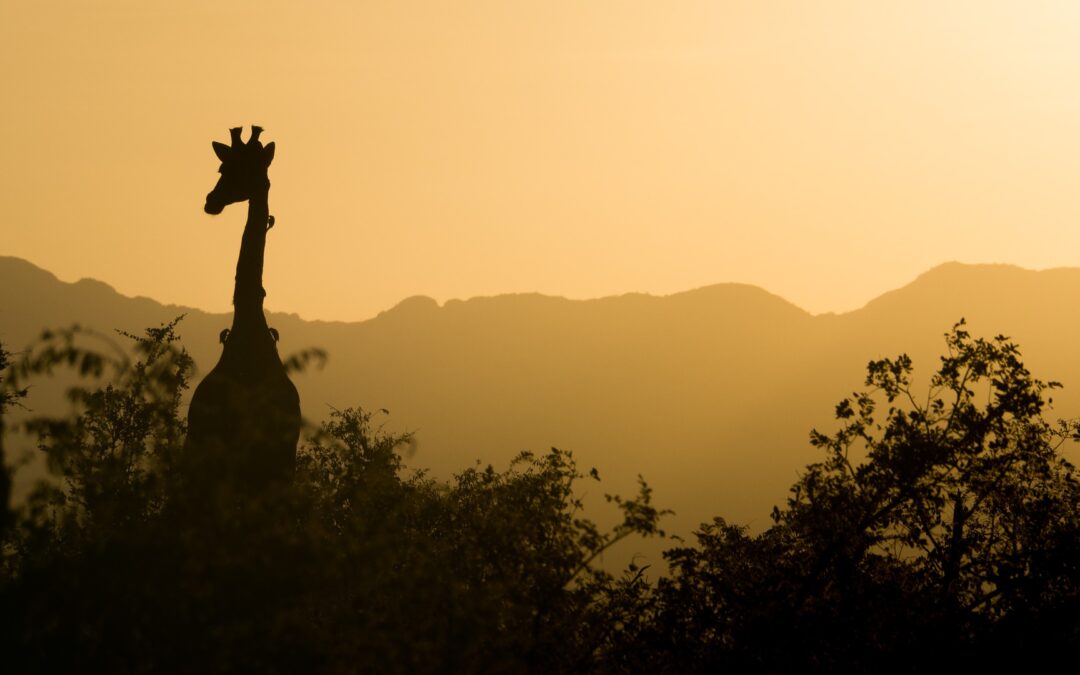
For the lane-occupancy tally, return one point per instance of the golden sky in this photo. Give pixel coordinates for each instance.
(827, 151)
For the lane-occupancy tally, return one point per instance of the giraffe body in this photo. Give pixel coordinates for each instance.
(244, 418)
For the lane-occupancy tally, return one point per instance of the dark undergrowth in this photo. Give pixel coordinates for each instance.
(940, 529)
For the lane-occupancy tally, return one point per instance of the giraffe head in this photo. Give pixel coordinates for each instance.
(243, 170)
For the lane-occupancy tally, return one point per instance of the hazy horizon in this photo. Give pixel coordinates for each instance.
(442, 301)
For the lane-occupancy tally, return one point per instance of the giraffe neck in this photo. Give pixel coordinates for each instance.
(248, 293)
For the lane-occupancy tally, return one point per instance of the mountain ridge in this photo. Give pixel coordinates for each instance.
(709, 393)
(10, 263)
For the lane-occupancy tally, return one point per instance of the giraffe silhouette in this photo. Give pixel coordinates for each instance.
(244, 418)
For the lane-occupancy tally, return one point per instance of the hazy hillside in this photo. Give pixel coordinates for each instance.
(709, 393)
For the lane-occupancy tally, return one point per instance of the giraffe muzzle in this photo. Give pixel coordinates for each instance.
(213, 206)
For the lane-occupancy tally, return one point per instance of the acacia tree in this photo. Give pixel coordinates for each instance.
(945, 521)
(966, 487)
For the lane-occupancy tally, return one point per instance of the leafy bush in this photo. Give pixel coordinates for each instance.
(125, 565)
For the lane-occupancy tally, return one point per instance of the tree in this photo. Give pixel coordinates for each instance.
(967, 487)
(113, 452)
(947, 522)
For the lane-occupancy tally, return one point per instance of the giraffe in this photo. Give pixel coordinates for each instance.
(244, 418)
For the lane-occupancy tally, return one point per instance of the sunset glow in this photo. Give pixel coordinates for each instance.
(825, 151)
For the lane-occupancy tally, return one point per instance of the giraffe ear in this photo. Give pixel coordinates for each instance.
(268, 152)
(221, 150)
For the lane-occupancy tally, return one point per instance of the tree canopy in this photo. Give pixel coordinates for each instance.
(944, 522)
(937, 524)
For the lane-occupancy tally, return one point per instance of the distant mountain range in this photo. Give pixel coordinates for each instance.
(709, 394)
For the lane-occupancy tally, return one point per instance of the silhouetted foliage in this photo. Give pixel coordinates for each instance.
(122, 565)
(8, 396)
(937, 530)
(942, 525)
